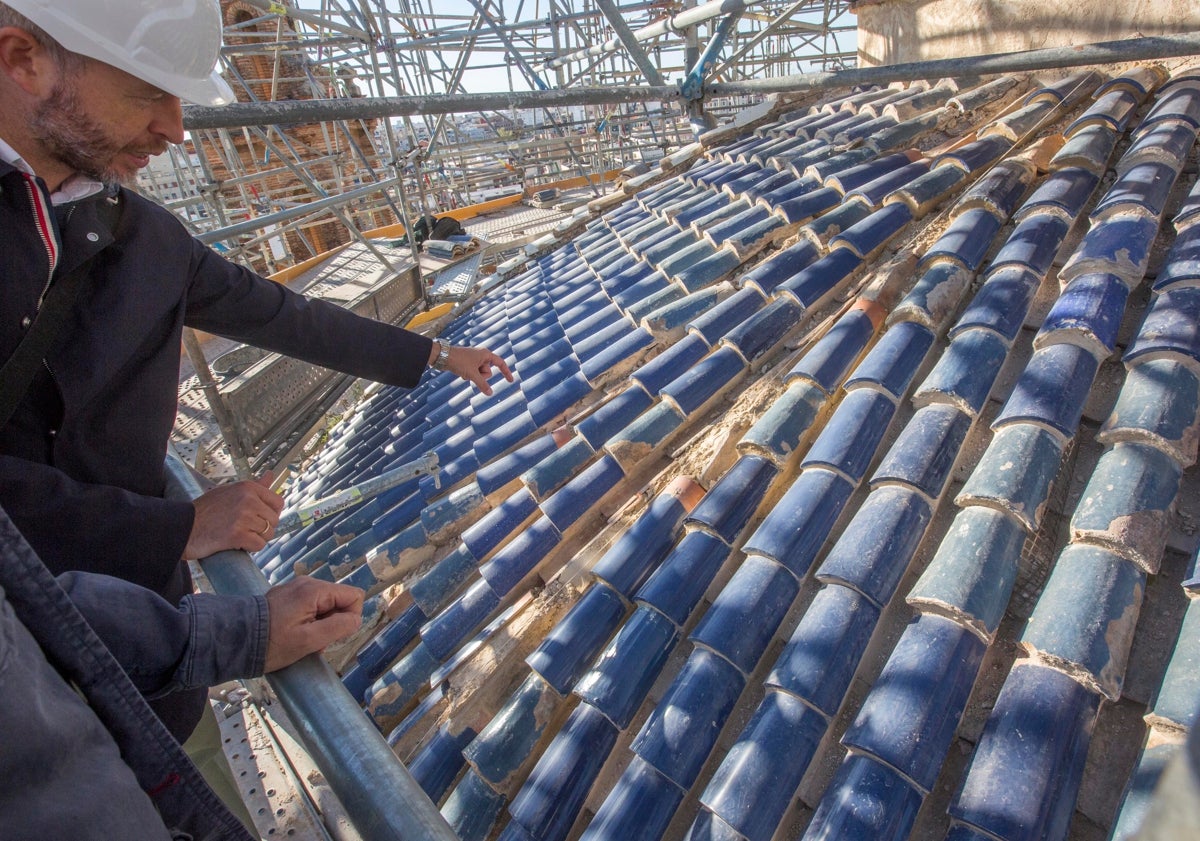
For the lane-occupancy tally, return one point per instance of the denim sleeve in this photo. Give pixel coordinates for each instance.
(207, 640)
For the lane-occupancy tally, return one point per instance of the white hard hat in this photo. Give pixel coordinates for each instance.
(172, 44)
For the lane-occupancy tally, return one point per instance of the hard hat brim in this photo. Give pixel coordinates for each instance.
(211, 91)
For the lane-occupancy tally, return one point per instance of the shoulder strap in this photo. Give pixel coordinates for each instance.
(19, 369)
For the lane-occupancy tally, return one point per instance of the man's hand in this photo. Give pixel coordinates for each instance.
(305, 615)
(475, 364)
(242, 515)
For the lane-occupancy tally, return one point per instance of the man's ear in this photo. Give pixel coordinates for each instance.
(26, 63)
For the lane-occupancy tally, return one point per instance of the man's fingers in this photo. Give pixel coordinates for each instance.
(503, 366)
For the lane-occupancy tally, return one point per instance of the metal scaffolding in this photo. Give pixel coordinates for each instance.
(248, 190)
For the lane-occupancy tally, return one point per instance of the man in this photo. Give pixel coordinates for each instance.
(88, 92)
(92, 761)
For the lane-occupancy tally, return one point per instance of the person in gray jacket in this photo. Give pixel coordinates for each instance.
(82, 755)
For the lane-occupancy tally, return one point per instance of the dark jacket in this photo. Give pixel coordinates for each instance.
(81, 461)
(96, 763)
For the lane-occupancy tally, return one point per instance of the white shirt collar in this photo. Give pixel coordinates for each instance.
(76, 187)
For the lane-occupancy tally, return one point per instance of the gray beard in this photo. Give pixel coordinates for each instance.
(73, 139)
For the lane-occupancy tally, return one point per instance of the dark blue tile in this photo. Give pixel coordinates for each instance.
(822, 655)
(778, 433)
(650, 287)
(971, 576)
(672, 362)
(873, 192)
(780, 266)
(673, 316)
(472, 808)
(639, 806)
(435, 767)
(1171, 328)
(877, 545)
(865, 800)
(924, 453)
(865, 238)
(796, 528)
(935, 297)
(1138, 802)
(1015, 472)
(718, 233)
(384, 647)
(682, 729)
(908, 720)
(568, 649)
(1052, 389)
(735, 309)
(1182, 264)
(746, 613)
(1175, 102)
(667, 292)
(976, 154)
(1175, 703)
(1064, 191)
(651, 430)
(1167, 142)
(831, 165)
(577, 497)
(1033, 243)
(850, 178)
(967, 239)
(435, 587)
(801, 208)
(708, 827)
(1087, 313)
(1086, 614)
(891, 365)
(613, 415)
(443, 633)
(1001, 303)
(1118, 244)
(1158, 405)
(554, 793)
(1113, 108)
(848, 441)
(757, 780)
(964, 375)
(812, 285)
(1025, 774)
(491, 530)
(622, 675)
(640, 547)
(450, 508)
(761, 332)
(1143, 188)
(491, 445)
(517, 558)
(834, 353)
(692, 389)
(924, 193)
(728, 505)
(503, 747)
(556, 401)
(1127, 503)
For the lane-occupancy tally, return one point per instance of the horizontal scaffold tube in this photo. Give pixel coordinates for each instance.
(381, 798)
(320, 110)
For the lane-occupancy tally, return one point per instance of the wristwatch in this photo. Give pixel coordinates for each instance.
(443, 356)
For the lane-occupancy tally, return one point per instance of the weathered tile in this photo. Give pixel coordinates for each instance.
(500, 751)
(1175, 706)
(795, 529)
(640, 547)
(440, 760)
(822, 654)
(1127, 503)
(472, 808)
(1085, 617)
(569, 648)
(757, 780)
(876, 546)
(1015, 472)
(850, 437)
(1171, 329)
(779, 431)
(650, 430)
(965, 373)
(695, 387)
(1142, 187)
(966, 240)
(935, 297)
(925, 451)
(1065, 192)
(972, 573)
(677, 585)
(735, 309)
(924, 193)
(1052, 389)
(794, 209)
(638, 807)
(1025, 774)
(1178, 102)
(891, 364)
(553, 795)
(673, 361)
(682, 728)
(746, 613)
(833, 222)
(557, 467)
(976, 154)
(910, 715)
(780, 266)
(555, 402)
(761, 332)
(1113, 108)
(1119, 243)
(517, 558)
(1138, 800)
(1163, 143)
(433, 589)
(864, 800)
(1087, 313)
(1159, 405)
(874, 191)
(1181, 267)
